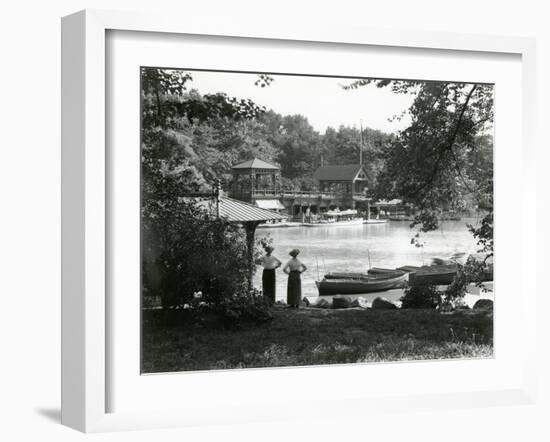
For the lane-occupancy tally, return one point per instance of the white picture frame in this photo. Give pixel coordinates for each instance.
(85, 203)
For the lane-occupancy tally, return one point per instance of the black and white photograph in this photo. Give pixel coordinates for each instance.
(302, 220)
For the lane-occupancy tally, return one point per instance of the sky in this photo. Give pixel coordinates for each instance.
(322, 100)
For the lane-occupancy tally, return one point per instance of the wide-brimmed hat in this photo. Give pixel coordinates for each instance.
(294, 252)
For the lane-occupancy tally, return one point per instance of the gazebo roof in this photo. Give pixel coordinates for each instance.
(255, 163)
(239, 211)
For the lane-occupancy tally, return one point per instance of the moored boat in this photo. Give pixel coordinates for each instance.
(375, 221)
(433, 274)
(374, 272)
(351, 222)
(357, 283)
(334, 218)
(278, 225)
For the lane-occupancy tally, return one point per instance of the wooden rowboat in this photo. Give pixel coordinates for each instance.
(375, 272)
(357, 283)
(433, 275)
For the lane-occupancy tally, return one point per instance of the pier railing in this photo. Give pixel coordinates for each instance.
(267, 193)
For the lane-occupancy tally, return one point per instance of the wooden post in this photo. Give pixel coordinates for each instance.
(252, 185)
(368, 209)
(217, 190)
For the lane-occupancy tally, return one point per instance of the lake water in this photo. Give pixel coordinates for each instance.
(348, 248)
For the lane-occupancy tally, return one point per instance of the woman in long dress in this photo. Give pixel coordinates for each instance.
(270, 264)
(294, 268)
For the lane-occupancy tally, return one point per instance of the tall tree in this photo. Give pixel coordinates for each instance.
(299, 144)
(434, 163)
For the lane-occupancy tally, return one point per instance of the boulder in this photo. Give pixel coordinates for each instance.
(322, 303)
(485, 304)
(340, 301)
(306, 302)
(360, 302)
(383, 304)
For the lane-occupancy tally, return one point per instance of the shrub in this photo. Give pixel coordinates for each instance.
(245, 307)
(187, 250)
(420, 295)
(473, 271)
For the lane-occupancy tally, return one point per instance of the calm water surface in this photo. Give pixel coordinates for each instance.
(348, 249)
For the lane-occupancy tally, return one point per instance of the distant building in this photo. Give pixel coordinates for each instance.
(258, 182)
(340, 187)
(348, 182)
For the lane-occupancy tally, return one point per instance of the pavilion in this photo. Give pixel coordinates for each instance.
(246, 214)
(258, 182)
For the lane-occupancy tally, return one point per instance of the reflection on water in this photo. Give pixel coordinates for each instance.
(353, 248)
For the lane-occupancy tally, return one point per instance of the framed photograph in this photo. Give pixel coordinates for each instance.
(256, 216)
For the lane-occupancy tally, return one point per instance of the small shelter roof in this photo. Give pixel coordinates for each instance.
(255, 163)
(339, 173)
(239, 211)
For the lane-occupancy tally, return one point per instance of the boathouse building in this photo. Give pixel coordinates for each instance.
(349, 181)
(259, 182)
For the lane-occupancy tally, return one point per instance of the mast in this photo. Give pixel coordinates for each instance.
(361, 145)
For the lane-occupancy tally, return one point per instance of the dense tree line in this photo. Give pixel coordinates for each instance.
(201, 136)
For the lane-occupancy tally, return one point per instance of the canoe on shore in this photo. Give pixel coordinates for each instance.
(443, 274)
(434, 274)
(375, 272)
(356, 283)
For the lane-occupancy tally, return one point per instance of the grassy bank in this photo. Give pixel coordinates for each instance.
(171, 342)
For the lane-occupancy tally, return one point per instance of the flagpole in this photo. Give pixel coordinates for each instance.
(361, 145)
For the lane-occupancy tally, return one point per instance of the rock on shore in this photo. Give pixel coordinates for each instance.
(383, 304)
(322, 303)
(340, 301)
(360, 302)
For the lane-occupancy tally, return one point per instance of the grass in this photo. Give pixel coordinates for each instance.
(171, 342)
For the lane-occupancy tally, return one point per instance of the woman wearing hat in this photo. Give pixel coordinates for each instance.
(294, 268)
(269, 263)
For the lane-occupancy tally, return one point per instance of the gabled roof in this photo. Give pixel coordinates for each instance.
(239, 211)
(338, 173)
(255, 163)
